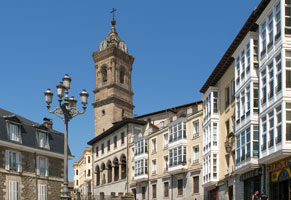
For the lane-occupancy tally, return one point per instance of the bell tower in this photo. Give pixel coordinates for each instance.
(113, 93)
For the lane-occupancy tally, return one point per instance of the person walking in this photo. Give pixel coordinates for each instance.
(256, 196)
(264, 196)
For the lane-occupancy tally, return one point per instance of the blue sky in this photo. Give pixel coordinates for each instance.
(176, 45)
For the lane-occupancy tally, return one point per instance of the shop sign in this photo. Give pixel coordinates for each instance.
(281, 164)
(251, 174)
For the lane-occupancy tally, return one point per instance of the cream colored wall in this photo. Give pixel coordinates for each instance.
(163, 151)
(159, 154)
(224, 115)
(83, 166)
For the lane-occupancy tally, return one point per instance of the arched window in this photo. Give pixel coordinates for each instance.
(123, 166)
(121, 75)
(116, 169)
(109, 172)
(97, 175)
(104, 75)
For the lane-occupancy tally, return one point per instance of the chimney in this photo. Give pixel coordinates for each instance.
(47, 122)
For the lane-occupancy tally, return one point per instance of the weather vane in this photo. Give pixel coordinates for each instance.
(113, 10)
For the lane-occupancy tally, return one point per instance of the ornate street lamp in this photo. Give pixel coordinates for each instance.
(66, 111)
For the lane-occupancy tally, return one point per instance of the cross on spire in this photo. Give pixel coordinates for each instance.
(113, 10)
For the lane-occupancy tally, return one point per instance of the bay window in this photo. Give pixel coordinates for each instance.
(288, 121)
(177, 131)
(271, 129)
(287, 17)
(256, 98)
(141, 167)
(263, 39)
(248, 142)
(248, 59)
(288, 69)
(255, 141)
(270, 31)
(264, 86)
(278, 22)
(279, 73)
(215, 102)
(264, 135)
(141, 147)
(178, 155)
(279, 124)
(271, 80)
(214, 134)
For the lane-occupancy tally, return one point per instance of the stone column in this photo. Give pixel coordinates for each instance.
(120, 170)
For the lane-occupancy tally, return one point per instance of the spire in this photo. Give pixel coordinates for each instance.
(112, 39)
(113, 22)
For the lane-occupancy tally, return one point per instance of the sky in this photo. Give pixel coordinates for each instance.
(176, 45)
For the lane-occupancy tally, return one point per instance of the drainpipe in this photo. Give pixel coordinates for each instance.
(35, 167)
(172, 184)
(148, 167)
(92, 173)
(127, 163)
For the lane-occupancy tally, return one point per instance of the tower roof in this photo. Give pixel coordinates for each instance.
(113, 39)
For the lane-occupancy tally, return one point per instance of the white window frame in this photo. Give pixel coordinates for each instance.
(166, 162)
(196, 154)
(17, 159)
(154, 166)
(166, 140)
(196, 128)
(14, 132)
(154, 145)
(45, 170)
(13, 190)
(42, 192)
(45, 143)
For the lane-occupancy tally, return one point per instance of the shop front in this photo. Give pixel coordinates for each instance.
(280, 179)
(252, 182)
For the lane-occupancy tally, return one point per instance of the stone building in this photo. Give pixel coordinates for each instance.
(83, 174)
(122, 159)
(32, 155)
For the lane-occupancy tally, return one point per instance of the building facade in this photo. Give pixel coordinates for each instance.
(259, 58)
(83, 174)
(167, 160)
(32, 157)
(241, 128)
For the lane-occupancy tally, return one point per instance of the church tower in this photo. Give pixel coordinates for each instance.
(113, 93)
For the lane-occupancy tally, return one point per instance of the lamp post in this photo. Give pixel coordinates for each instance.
(66, 111)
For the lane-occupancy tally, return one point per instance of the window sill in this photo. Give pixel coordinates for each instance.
(195, 137)
(154, 152)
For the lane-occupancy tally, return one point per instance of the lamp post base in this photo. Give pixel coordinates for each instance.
(65, 197)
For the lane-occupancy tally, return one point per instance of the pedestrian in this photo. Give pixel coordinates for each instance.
(256, 196)
(264, 196)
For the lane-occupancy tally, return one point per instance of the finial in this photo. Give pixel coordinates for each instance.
(113, 22)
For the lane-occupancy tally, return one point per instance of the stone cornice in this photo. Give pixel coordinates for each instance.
(112, 99)
(112, 51)
(96, 90)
